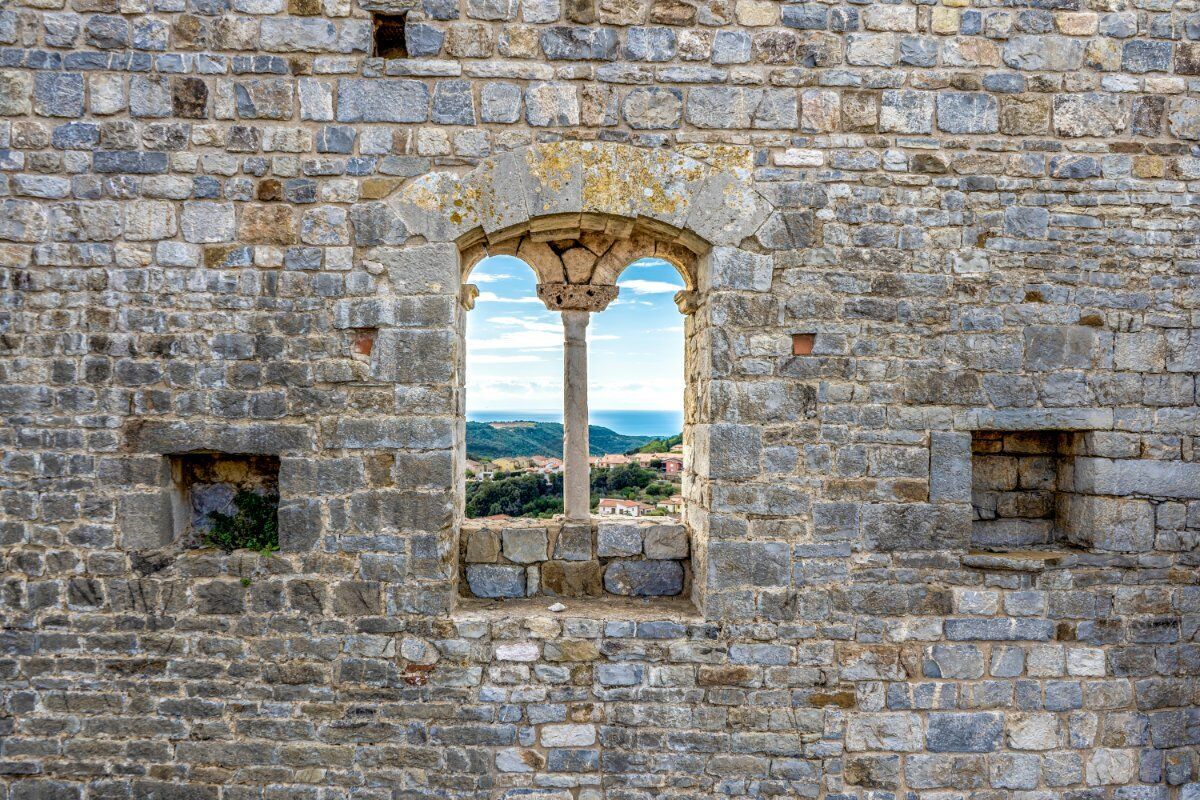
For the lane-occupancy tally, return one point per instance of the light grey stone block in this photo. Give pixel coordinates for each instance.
(666, 541)
(618, 539)
(146, 520)
(525, 545)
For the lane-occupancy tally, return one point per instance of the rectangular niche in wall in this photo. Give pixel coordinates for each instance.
(226, 501)
(1018, 487)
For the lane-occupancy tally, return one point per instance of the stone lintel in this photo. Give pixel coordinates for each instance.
(576, 297)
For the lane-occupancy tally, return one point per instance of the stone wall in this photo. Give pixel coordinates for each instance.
(226, 229)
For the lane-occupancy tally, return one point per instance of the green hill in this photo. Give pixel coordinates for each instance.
(520, 438)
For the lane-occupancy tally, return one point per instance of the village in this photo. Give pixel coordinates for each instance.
(666, 467)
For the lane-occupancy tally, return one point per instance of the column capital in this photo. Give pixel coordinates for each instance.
(467, 295)
(576, 296)
(688, 300)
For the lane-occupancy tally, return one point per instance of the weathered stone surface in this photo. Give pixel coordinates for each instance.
(572, 579)
(524, 545)
(967, 112)
(483, 546)
(893, 732)
(495, 580)
(978, 732)
(653, 109)
(228, 226)
(666, 541)
(382, 100)
(618, 539)
(644, 578)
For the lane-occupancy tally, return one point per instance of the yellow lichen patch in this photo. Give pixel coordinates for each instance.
(553, 165)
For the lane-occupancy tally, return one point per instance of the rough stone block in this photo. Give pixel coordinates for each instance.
(618, 539)
(300, 524)
(949, 467)
(644, 578)
(483, 546)
(1055, 347)
(370, 100)
(572, 578)
(967, 112)
(574, 542)
(1141, 477)
(896, 732)
(525, 545)
(1110, 523)
(906, 111)
(980, 732)
(146, 520)
(737, 565)
(496, 581)
(666, 541)
(954, 661)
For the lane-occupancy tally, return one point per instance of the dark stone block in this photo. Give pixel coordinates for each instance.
(644, 578)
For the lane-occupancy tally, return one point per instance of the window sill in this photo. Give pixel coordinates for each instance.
(606, 608)
(1031, 560)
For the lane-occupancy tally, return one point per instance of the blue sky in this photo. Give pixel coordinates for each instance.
(514, 345)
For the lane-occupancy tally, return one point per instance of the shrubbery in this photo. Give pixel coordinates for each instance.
(255, 525)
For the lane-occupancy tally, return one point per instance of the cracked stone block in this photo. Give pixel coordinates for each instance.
(666, 541)
(483, 546)
(574, 542)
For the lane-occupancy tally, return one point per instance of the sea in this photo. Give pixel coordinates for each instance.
(630, 423)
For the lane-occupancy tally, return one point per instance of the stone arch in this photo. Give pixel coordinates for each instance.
(587, 185)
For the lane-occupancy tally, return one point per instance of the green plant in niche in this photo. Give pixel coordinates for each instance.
(255, 526)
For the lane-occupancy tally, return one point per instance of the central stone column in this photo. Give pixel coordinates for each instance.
(576, 302)
(576, 468)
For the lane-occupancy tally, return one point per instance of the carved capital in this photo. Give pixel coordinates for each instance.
(576, 296)
(467, 295)
(688, 301)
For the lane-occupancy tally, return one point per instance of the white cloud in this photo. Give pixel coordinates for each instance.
(489, 277)
(639, 286)
(527, 323)
(517, 341)
(492, 297)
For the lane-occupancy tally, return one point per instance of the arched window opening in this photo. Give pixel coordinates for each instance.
(635, 391)
(574, 441)
(513, 397)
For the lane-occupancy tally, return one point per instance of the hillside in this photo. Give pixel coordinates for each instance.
(497, 439)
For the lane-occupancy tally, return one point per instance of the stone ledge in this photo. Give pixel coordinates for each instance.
(514, 558)
(1043, 560)
(606, 608)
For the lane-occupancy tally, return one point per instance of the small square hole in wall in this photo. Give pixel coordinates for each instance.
(390, 39)
(1019, 480)
(802, 343)
(227, 501)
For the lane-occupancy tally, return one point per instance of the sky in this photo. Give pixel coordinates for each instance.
(514, 344)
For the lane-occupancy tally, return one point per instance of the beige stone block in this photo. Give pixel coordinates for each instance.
(757, 13)
(944, 20)
(1077, 23)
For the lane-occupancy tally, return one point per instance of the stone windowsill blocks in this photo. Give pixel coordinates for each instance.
(521, 558)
